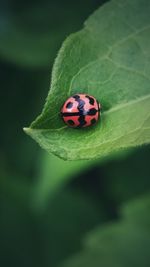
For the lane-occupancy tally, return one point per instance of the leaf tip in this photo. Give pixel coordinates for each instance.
(26, 130)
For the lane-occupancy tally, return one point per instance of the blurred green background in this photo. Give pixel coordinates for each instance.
(47, 206)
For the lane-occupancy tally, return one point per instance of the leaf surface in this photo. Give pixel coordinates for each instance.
(108, 59)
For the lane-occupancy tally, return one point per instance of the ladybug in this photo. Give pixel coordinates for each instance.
(80, 110)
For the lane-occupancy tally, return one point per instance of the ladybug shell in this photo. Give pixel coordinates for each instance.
(80, 110)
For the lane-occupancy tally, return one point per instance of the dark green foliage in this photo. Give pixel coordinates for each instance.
(121, 244)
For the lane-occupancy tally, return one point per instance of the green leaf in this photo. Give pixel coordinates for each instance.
(120, 244)
(109, 59)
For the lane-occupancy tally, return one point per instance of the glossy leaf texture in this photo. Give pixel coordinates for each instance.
(109, 59)
(119, 244)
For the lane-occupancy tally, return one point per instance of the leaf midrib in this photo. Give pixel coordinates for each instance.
(114, 109)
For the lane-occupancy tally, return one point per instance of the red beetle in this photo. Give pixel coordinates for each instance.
(81, 110)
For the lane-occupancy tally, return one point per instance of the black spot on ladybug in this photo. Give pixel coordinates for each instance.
(70, 122)
(92, 111)
(91, 99)
(93, 121)
(82, 120)
(69, 105)
(76, 97)
(81, 104)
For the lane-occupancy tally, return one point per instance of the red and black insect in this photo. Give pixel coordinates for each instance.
(81, 110)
